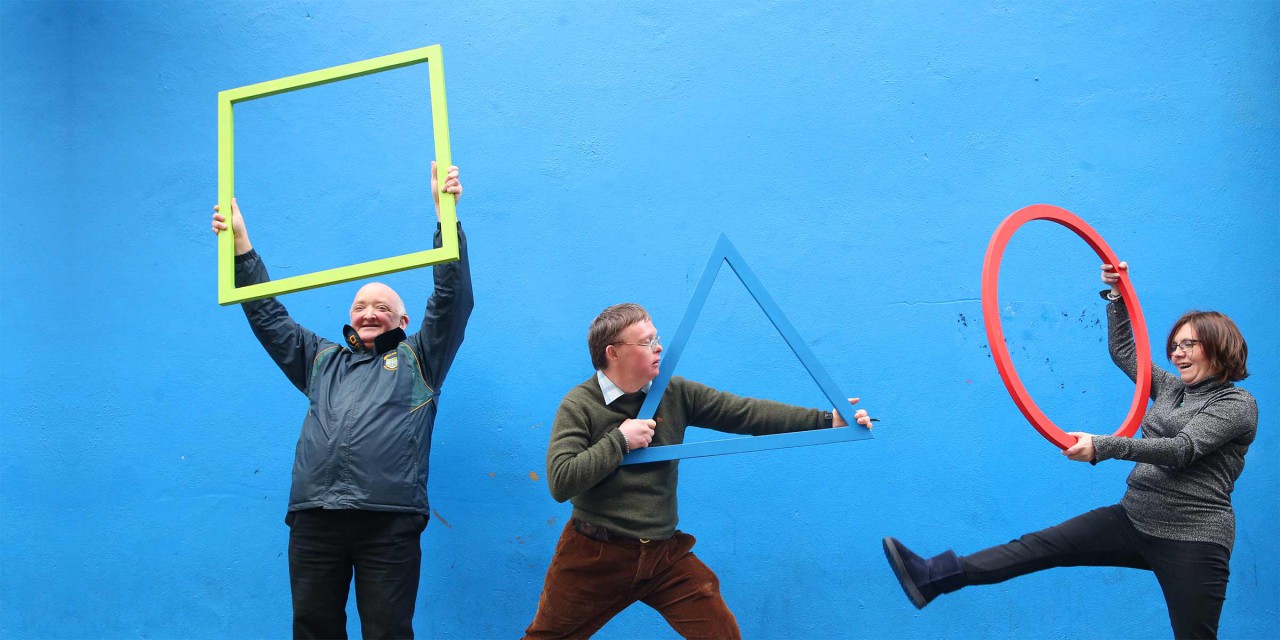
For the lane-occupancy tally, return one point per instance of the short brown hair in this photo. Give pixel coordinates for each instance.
(606, 327)
(1221, 340)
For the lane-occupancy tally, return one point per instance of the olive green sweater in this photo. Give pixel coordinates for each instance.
(639, 500)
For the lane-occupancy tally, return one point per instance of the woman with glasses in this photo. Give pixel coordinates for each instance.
(1176, 518)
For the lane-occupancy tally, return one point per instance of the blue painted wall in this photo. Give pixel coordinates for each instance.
(858, 155)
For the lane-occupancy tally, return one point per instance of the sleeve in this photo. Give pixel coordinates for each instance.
(1222, 420)
(444, 321)
(289, 344)
(722, 411)
(1123, 353)
(574, 464)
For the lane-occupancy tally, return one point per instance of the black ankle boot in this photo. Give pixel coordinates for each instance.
(923, 580)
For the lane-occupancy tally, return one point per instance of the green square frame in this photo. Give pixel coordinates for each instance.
(228, 292)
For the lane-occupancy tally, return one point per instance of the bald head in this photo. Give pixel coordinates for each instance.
(378, 292)
(376, 310)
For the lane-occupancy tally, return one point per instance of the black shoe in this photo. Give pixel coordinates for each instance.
(923, 580)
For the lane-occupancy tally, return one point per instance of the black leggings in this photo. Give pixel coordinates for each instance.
(1193, 575)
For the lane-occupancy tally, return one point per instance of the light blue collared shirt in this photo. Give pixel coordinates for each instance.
(611, 391)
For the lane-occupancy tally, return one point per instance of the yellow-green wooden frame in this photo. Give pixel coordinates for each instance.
(228, 293)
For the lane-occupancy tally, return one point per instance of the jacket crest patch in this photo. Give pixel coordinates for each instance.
(391, 361)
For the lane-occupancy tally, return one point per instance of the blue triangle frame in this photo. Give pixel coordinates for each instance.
(725, 252)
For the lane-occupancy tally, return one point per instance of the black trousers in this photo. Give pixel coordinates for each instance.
(1193, 575)
(382, 548)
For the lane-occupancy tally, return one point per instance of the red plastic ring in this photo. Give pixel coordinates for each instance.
(995, 334)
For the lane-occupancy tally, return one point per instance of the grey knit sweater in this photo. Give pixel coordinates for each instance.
(1192, 449)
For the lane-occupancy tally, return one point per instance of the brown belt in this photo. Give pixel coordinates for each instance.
(597, 532)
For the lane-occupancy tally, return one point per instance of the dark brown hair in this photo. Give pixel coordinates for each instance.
(1221, 340)
(606, 327)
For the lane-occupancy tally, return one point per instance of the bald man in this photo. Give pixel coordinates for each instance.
(359, 497)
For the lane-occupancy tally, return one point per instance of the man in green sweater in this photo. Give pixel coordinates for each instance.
(621, 544)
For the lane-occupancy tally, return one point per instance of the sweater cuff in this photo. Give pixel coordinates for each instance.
(246, 256)
(1104, 448)
(620, 440)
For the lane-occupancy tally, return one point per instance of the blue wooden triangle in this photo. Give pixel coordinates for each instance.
(726, 252)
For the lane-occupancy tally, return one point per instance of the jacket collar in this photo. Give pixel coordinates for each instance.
(381, 344)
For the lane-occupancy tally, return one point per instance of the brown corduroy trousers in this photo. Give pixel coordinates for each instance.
(590, 581)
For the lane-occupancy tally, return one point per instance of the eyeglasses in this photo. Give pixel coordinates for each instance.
(651, 345)
(1185, 346)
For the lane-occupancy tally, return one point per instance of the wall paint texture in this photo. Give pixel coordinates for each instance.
(859, 155)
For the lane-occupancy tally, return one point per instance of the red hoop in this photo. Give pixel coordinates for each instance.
(995, 334)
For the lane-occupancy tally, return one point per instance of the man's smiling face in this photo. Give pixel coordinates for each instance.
(376, 310)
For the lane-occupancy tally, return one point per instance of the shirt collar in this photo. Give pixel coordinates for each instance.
(611, 391)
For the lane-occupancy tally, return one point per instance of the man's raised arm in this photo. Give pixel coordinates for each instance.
(444, 322)
(289, 344)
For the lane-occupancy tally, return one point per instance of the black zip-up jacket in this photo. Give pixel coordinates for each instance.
(366, 439)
